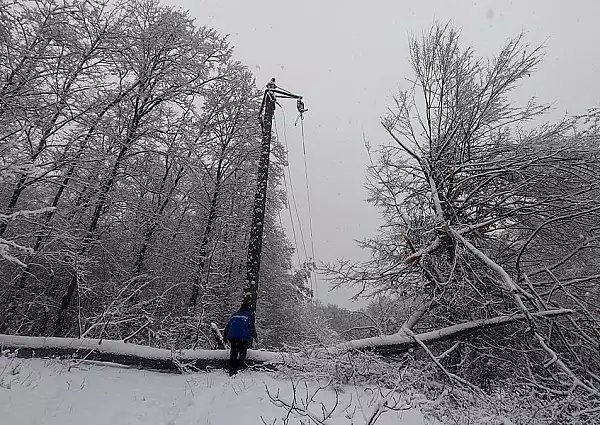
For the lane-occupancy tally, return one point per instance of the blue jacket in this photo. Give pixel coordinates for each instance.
(241, 326)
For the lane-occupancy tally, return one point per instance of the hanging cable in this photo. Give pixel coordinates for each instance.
(312, 240)
(293, 231)
(309, 264)
(289, 189)
(312, 283)
(291, 185)
(287, 199)
(312, 278)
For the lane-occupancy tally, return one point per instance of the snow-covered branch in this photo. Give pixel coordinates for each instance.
(400, 342)
(25, 213)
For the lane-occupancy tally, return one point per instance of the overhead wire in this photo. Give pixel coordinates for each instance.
(310, 265)
(281, 225)
(292, 192)
(312, 239)
(289, 189)
(312, 277)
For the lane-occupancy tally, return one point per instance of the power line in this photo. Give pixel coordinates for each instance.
(289, 190)
(308, 264)
(312, 240)
(313, 279)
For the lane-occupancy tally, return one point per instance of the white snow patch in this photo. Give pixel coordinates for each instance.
(37, 391)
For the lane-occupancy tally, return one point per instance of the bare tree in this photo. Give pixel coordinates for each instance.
(486, 219)
(231, 139)
(129, 143)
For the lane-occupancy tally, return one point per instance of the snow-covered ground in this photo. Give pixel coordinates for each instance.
(48, 392)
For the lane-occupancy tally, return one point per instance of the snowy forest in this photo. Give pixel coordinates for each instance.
(129, 148)
(129, 153)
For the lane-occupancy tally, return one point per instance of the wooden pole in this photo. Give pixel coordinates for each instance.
(260, 198)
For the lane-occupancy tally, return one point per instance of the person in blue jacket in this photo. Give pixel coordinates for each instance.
(240, 331)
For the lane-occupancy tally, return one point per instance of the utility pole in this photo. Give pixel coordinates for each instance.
(267, 110)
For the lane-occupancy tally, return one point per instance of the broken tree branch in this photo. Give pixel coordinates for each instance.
(400, 342)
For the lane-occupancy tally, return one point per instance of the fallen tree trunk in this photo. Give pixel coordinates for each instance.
(173, 361)
(401, 342)
(128, 354)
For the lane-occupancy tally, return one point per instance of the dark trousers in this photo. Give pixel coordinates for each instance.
(237, 356)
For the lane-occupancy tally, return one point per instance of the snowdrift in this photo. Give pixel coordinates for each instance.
(49, 392)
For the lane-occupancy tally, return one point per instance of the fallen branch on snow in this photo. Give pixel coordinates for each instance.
(400, 342)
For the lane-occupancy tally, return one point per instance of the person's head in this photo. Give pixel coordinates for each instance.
(245, 307)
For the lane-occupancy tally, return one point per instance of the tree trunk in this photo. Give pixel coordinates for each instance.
(149, 234)
(203, 251)
(102, 199)
(129, 354)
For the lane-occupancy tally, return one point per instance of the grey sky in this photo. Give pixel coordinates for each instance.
(348, 57)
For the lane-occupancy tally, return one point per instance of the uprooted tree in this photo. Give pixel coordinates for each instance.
(485, 219)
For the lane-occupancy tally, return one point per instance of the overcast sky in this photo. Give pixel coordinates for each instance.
(348, 58)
